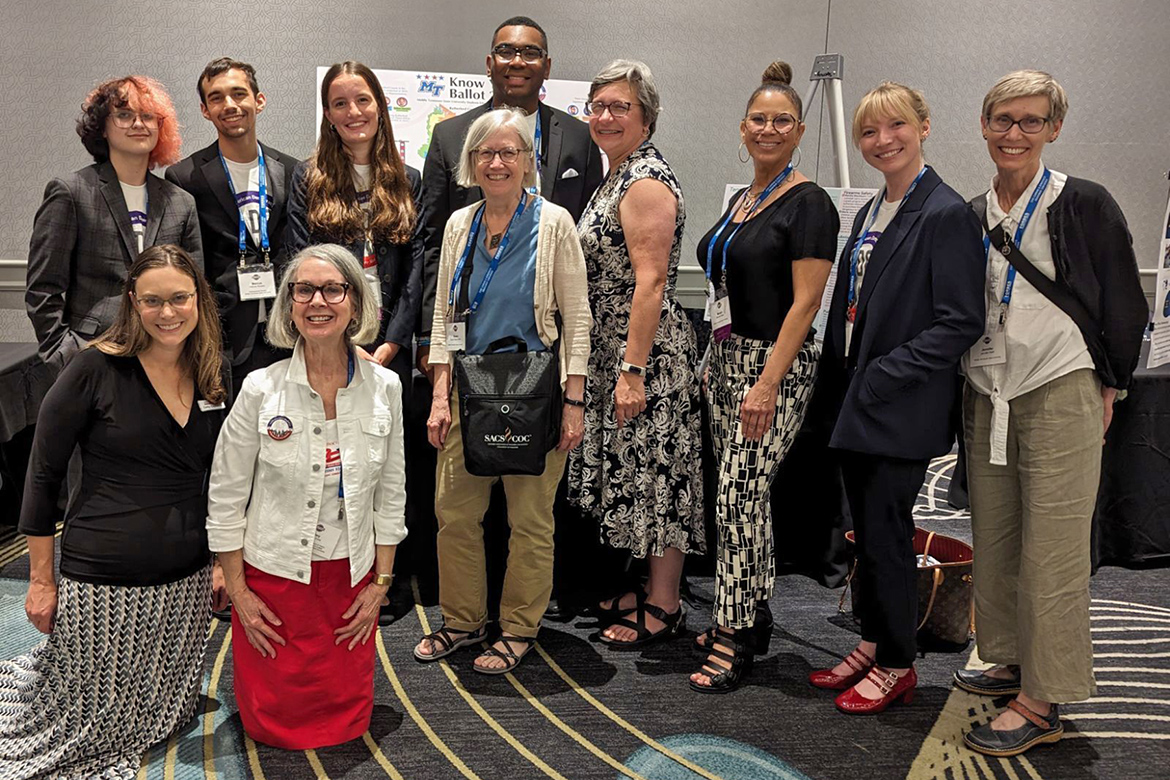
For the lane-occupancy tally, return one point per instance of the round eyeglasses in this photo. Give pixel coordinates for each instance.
(124, 118)
(758, 123)
(509, 154)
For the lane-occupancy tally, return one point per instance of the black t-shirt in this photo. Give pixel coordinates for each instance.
(139, 516)
(801, 223)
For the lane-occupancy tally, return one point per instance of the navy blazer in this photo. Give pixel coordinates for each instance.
(399, 265)
(921, 307)
(202, 175)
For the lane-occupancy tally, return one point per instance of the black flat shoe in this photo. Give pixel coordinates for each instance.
(978, 682)
(725, 680)
(673, 623)
(1038, 730)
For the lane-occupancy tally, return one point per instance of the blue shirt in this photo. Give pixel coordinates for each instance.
(507, 307)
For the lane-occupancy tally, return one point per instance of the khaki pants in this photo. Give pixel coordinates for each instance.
(1031, 522)
(460, 502)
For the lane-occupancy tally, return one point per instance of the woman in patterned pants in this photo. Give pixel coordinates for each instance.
(767, 260)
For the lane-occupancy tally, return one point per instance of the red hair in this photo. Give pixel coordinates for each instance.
(140, 93)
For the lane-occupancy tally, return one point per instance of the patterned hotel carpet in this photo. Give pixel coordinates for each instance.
(577, 711)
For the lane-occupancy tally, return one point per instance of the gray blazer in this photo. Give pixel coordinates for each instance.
(82, 247)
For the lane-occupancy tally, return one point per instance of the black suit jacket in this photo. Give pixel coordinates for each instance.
(921, 307)
(82, 248)
(399, 265)
(566, 148)
(203, 176)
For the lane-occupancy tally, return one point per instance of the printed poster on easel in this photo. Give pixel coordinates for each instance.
(1160, 338)
(849, 201)
(420, 99)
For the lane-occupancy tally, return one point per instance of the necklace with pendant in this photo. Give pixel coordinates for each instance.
(494, 241)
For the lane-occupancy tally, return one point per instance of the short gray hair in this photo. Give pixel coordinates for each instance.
(481, 129)
(1028, 83)
(637, 74)
(361, 330)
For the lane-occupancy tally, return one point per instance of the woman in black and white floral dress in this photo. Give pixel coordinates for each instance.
(638, 469)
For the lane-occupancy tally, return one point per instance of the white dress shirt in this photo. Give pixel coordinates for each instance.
(1042, 342)
(265, 491)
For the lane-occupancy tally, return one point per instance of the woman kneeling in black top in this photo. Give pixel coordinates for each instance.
(127, 623)
(767, 260)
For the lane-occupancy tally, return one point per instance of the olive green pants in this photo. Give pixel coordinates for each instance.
(1031, 523)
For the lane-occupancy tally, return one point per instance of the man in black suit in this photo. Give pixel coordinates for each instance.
(231, 100)
(569, 164)
(568, 171)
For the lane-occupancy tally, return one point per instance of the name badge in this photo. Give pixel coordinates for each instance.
(208, 406)
(456, 336)
(326, 541)
(257, 282)
(990, 350)
(720, 307)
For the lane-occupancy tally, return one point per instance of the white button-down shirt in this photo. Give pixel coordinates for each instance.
(1043, 343)
(265, 490)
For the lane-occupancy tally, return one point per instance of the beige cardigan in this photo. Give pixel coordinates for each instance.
(560, 286)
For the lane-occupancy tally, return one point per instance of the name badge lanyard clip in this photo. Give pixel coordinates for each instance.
(457, 278)
(722, 329)
(263, 207)
(1025, 219)
(851, 311)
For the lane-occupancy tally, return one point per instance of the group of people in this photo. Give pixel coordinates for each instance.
(234, 345)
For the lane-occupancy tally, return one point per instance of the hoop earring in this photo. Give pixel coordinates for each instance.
(799, 156)
(742, 151)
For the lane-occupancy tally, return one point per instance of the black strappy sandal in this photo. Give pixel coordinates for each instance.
(740, 660)
(607, 615)
(510, 658)
(757, 638)
(447, 640)
(673, 623)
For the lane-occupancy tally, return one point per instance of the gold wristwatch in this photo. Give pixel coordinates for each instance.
(383, 579)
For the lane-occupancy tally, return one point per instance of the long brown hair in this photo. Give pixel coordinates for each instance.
(202, 353)
(333, 207)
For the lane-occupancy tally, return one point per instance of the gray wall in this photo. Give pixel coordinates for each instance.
(1110, 56)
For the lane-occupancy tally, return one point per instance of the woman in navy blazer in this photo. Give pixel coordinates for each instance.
(906, 306)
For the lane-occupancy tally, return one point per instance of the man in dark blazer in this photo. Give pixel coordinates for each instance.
(231, 100)
(570, 164)
(82, 246)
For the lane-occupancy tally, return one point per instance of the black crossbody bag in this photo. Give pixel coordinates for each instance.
(509, 402)
(1062, 297)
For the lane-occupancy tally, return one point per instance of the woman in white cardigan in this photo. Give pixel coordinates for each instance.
(526, 267)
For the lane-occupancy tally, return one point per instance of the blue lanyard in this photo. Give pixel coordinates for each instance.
(340, 469)
(872, 219)
(763, 196)
(263, 206)
(1037, 193)
(470, 247)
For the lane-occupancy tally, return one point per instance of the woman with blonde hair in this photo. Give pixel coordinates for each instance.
(1064, 328)
(144, 404)
(905, 309)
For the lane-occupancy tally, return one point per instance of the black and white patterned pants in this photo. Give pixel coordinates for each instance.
(745, 565)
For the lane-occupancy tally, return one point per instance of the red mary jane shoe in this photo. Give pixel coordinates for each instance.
(858, 661)
(894, 687)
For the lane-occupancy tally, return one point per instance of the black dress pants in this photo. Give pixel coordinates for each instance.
(881, 493)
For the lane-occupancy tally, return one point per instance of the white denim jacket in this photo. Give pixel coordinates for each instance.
(265, 490)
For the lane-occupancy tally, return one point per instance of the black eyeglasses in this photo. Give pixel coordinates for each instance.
(1001, 123)
(509, 154)
(758, 123)
(331, 292)
(616, 108)
(530, 54)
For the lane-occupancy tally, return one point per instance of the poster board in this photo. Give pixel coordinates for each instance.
(1160, 338)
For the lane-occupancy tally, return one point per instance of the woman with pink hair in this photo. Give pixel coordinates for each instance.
(93, 224)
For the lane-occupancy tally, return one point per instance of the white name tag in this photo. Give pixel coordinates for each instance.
(257, 282)
(456, 336)
(326, 541)
(208, 406)
(719, 305)
(990, 350)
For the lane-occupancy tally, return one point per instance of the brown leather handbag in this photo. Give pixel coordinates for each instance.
(946, 608)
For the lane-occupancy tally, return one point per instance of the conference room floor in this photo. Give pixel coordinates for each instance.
(575, 710)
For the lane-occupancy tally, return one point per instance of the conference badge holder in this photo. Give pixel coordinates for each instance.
(457, 333)
(257, 280)
(719, 305)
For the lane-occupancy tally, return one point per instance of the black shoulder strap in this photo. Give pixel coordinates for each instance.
(463, 299)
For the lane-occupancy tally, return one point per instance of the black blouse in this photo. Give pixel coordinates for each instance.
(801, 223)
(139, 514)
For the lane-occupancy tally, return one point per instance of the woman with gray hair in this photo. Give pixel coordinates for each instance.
(1065, 315)
(511, 267)
(638, 472)
(306, 506)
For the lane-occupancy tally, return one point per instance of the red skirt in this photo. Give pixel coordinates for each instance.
(313, 693)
